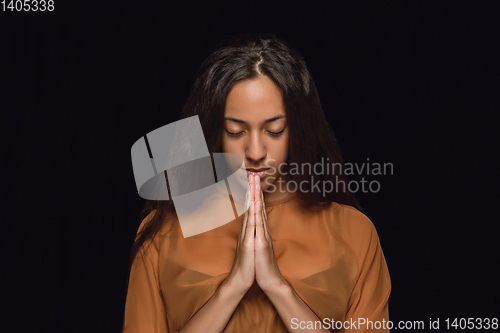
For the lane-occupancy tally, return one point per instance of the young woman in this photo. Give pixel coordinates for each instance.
(300, 259)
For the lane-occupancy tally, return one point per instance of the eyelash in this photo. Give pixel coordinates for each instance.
(275, 134)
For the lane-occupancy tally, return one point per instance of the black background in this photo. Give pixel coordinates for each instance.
(415, 84)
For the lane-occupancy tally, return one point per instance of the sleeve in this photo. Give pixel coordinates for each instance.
(144, 307)
(368, 307)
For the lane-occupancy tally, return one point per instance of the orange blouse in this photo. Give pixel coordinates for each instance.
(330, 256)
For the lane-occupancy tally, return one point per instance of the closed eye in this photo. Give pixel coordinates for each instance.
(233, 134)
(271, 133)
(276, 133)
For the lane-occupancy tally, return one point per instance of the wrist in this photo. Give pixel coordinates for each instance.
(232, 290)
(278, 290)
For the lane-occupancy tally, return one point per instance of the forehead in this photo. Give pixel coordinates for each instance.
(256, 98)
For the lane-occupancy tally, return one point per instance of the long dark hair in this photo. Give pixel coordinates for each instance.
(311, 137)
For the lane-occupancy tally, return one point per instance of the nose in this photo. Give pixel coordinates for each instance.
(255, 151)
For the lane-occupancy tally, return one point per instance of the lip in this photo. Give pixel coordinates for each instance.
(257, 172)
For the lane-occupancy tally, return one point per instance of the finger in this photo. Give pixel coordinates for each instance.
(247, 211)
(259, 223)
(250, 230)
(264, 216)
(264, 213)
(246, 214)
(254, 189)
(246, 203)
(243, 228)
(249, 191)
(258, 195)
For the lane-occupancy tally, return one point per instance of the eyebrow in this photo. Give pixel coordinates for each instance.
(244, 122)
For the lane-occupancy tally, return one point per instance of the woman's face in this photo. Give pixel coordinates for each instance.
(256, 129)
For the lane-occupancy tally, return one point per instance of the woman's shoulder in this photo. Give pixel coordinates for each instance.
(357, 229)
(162, 229)
(351, 216)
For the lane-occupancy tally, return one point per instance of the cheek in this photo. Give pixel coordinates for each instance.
(231, 146)
(226, 146)
(280, 150)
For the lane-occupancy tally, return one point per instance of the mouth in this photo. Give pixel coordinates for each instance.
(257, 172)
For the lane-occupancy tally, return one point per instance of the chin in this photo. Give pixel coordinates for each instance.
(268, 185)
